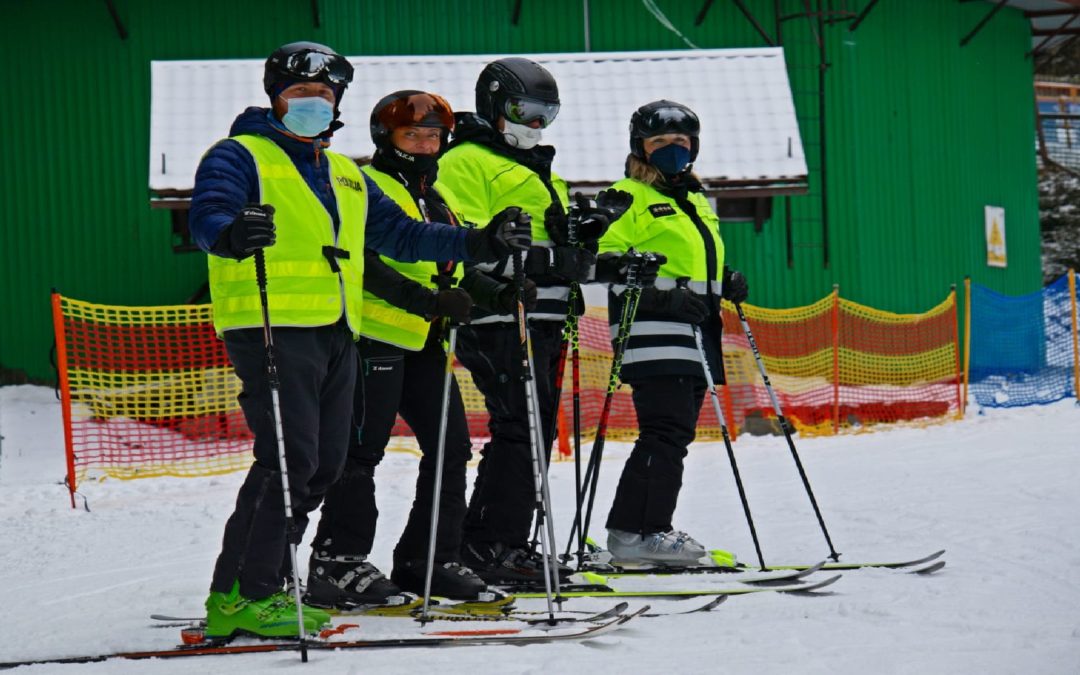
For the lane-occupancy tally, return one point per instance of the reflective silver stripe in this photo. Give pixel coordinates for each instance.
(510, 318)
(547, 316)
(493, 318)
(552, 293)
(699, 287)
(644, 328)
(642, 354)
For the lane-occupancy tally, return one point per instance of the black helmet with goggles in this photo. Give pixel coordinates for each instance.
(306, 62)
(663, 117)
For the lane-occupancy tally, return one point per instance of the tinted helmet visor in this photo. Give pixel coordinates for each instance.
(520, 110)
(417, 110)
(313, 65)
(670, 120)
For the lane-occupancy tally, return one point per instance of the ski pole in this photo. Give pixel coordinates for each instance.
(631, 296)
(570, 332)
(718, 409)
(534, 427)
(786, 427)
(569, 344)
(440, 455)
(443, 283)
(279, 432)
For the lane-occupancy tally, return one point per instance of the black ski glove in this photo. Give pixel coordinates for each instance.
(510, 230)
(251, 230)
(592, 219)
(612, 267)
(453, 303)
(505, 301)
(565, 262)
(678, 304)
(734, 287)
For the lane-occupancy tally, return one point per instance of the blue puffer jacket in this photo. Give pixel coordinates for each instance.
(227, 180)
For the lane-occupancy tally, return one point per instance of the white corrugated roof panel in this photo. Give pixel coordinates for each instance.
(749, 130)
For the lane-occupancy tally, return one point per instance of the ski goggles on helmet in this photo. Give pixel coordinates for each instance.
(525, 110)
(417, 110)
(669, 120)
(312, 66)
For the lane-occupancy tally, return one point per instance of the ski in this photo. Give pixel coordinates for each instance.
(862, 565)
(929, 569)
(537, 617)
(615, 570)
(440, 611)
(436, 639)
(749, 575)
(686, 593)
(696, 609)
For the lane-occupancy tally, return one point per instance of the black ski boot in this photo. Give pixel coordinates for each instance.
(350, 582)
(501, 564)
(448, 580)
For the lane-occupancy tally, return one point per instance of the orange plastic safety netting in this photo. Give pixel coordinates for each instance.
(146, 391)
(149, 391)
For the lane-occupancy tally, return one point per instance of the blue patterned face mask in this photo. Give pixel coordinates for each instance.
(308, 117)
(670, 159)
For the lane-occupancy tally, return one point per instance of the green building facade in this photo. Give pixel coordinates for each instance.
(908, 136)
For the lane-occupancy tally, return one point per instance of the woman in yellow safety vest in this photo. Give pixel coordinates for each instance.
(670, 214)
(402, 366)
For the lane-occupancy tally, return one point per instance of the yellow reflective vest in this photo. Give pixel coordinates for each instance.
(386, 322)
(484, 183)
(302, 289)
(656, 223)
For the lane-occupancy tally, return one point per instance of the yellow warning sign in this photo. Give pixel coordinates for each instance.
(995, 236)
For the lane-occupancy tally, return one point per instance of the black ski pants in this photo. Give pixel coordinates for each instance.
(667, 410)
(393, 380)
(503, 499)
(317, 373)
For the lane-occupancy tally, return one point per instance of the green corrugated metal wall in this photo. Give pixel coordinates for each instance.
(921, 134)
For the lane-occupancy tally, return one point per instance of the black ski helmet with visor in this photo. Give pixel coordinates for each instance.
(410, 108)
(306, 62)
(663, 117)
(518, 89)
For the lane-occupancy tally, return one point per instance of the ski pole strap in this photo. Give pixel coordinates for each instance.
(332, 253)
(443, 281)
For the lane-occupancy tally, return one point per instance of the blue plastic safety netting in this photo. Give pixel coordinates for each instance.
(1022, 346)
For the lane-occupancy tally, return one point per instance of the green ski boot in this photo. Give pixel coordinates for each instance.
(230, 613)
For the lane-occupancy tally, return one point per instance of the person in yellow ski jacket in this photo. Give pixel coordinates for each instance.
(669, 214)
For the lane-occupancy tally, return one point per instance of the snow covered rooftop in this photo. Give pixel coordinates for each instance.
(749, 130)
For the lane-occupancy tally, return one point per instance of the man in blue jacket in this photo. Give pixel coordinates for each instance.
(274, 186)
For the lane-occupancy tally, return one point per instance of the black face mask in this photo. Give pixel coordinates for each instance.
(415, 163)
(394, 160)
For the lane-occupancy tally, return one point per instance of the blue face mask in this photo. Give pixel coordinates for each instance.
(670, 159)
(308, 117)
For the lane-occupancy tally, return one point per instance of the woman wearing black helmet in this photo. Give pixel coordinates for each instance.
(274, 191)
(402, 358)
(671, 214)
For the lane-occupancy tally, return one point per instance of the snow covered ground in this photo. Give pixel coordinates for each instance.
(1000, 491)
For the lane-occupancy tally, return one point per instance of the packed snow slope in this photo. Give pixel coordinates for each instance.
(999, 490)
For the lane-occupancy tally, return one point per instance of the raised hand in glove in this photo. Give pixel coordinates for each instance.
(590, 220)
(453, 303)
(678, 304)
(510, 230)
(734, 288)
(612, 267)
(506, 297)
(565, 262)
(250, 231)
